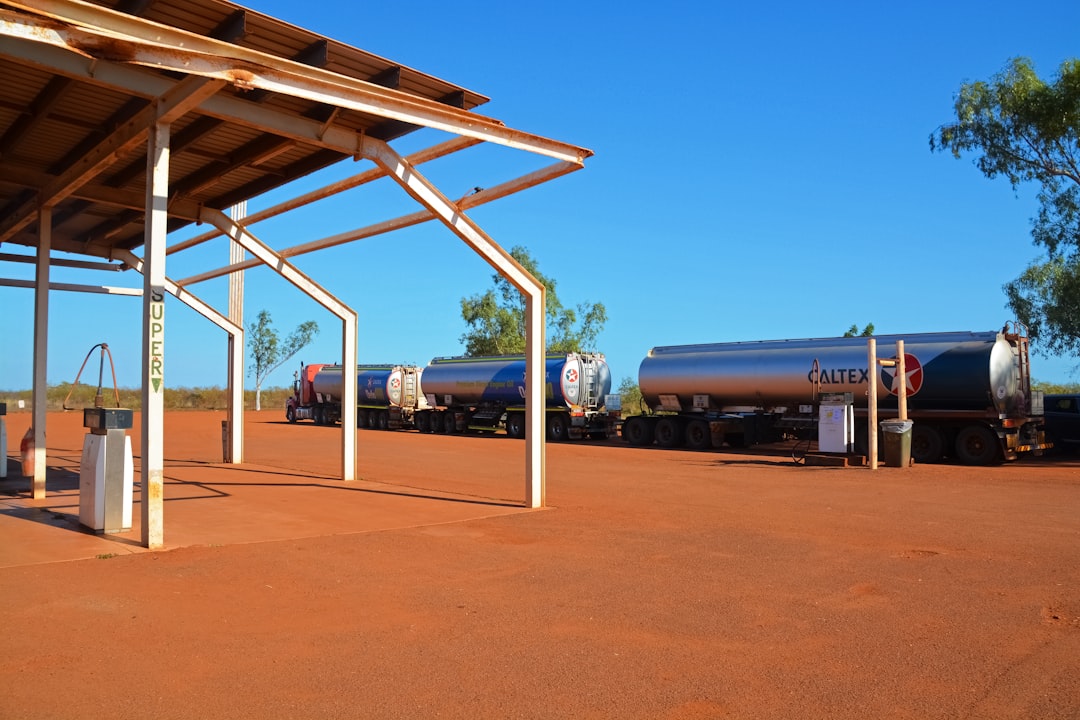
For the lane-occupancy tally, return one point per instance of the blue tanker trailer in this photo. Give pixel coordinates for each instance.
(487, 393)
(388, 396)
(968, 393)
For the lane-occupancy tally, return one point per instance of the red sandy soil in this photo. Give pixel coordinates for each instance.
(668, 585)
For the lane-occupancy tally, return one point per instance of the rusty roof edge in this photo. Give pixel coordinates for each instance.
(481, 98)
(260, 68)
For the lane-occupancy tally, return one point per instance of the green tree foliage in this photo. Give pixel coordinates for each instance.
(630, 394)
(854, 331)
(268, 352)
(496, 319)
(1028, 130)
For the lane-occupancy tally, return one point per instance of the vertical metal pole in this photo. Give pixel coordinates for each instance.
(535, 447)
(153, 327)
(235, 439)
(871, 402)
(348, 397)
(901, 372)
(41, 345)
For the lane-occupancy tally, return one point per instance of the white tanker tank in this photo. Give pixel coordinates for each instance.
(968, 393)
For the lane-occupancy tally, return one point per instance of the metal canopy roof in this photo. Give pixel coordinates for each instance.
(51, 118)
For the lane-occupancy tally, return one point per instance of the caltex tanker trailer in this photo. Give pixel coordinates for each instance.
(486, 393)
(388, 396)
(968, 393)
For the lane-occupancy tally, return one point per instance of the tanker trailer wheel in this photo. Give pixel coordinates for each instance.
(382, 419)
(318, 416)
(637, 431)
(558, 428)
(698, 435)
(977, 445)
(290, 414)
(927, 443)
(422, 422)
(515, 425)
(361, 418)
(449, 422)
(669, 433)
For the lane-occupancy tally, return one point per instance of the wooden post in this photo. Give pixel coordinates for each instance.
(901, 373)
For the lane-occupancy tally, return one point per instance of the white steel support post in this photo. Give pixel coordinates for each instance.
(267, 256)
(41, 344)
(451, 215)
(235, 384)
(535, 450)
(153, 330)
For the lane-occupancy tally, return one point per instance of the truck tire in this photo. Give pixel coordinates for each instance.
(423, 422)
(698, 435)
(977, 445)
(558, 428)
(669, 433)
(515, 425)
(637, 431)
(927, 444)
(450, 422)
(361, 418)
(382, 419)
(290, 414)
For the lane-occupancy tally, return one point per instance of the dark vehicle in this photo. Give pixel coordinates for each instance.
(1062, 414)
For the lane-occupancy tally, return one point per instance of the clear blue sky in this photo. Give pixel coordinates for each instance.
(762, 171)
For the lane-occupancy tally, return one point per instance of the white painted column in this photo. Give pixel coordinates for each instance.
(535, 415)
(41, 345)
(235, 383)
(153, 329)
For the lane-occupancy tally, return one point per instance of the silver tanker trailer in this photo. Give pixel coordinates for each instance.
(968, 393)
(486, 393)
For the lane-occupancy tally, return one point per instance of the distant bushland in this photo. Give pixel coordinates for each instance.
(195, 398)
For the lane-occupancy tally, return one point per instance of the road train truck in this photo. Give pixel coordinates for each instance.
(388, 396)
(968, 393)
(487, 393)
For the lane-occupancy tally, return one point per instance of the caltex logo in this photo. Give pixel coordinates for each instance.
(913, 376)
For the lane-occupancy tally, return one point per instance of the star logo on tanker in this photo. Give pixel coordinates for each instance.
(913, 376)
(395, 383)
(571, 375)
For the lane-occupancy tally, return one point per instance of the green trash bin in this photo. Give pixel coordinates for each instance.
(897, 436)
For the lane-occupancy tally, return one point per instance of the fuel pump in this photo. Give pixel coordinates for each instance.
(107, 471)
(836, 423)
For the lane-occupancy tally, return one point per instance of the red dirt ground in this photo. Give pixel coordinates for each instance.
(667, 585)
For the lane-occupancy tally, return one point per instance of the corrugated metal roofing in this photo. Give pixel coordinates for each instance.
(49, 121)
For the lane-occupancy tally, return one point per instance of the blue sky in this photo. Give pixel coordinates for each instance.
(762, 171)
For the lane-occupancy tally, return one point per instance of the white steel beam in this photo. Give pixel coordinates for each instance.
(422, 156)
(239, 234)
(153, 332)
(424, 192)
(41, 350)
(469, 201)
(236, 339)
(73, 287)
